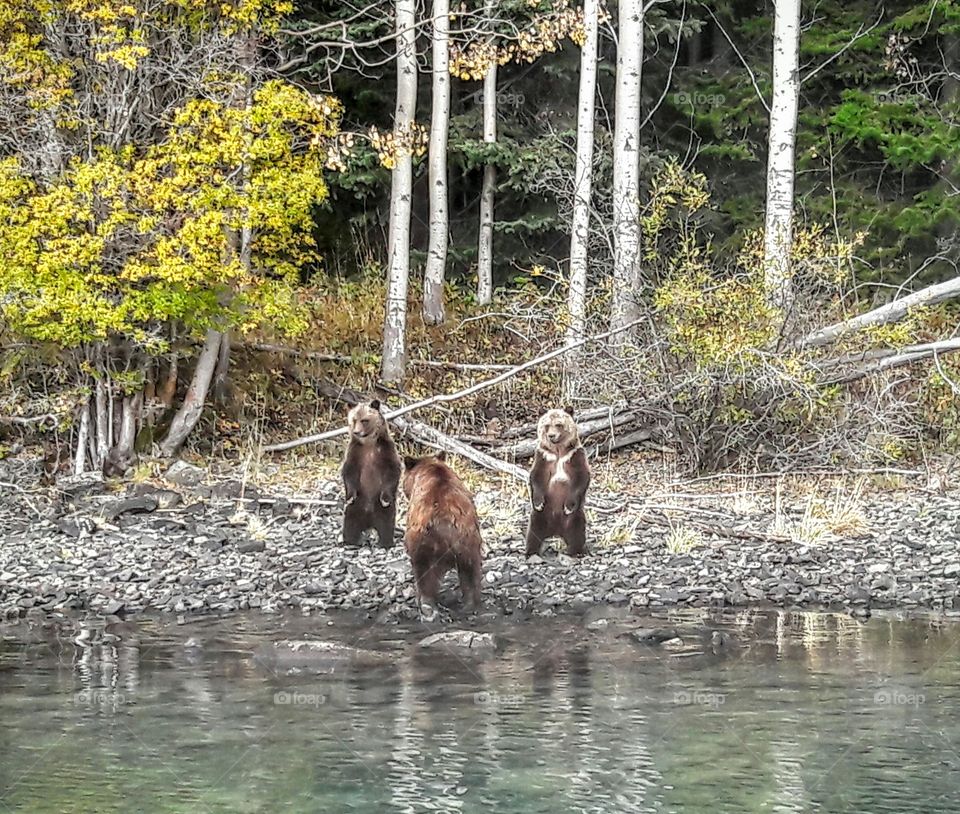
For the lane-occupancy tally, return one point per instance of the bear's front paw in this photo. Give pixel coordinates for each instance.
(538, 507)
(350, 500)
(385, 500)
(567, 509)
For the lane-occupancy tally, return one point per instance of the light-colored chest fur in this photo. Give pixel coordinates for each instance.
(558, 466)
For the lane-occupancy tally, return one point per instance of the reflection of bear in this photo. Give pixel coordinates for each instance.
(442, 528)
(371, 475)
(558, 485)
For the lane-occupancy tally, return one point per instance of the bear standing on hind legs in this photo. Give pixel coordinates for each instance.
(371, 476)
(558, 485)
(443, 531)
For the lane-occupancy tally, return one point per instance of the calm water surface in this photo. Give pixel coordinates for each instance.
(799, 712)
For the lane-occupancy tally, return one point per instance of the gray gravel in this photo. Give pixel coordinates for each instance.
(189, 547)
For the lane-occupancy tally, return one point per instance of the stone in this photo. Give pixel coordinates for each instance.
(654, 635)
(182, 473)
(461, 639)
(130, 505)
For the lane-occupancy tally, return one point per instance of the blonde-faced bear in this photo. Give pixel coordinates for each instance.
(558, 485)
(371, 476)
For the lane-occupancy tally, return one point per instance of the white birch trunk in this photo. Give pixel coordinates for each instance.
(626, 165)
(487, 191)
(583, 179)
(83, 431)
(398, 273)
(778, 227)
(433, 311)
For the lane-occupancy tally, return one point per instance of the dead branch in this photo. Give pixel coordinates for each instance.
(891, 312)
(524, 430)
(427, 435)
(28, 420)
(905, 356)
(446, 398)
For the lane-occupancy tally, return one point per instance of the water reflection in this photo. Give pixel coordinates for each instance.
(751, 711)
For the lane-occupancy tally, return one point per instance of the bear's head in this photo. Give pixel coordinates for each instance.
(414, 468)
(366, 423)
(557, 431)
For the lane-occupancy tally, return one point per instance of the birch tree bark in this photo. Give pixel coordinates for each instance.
(626, 165)
(487, 190)
(781, 148)
(433, 310)
(583, 179)
(401, 192)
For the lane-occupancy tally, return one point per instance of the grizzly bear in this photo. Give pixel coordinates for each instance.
(443, 531)
(559, 479)
(371, 476)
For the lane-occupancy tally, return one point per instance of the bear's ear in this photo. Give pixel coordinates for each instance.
(569, 410)
(375, 404)
(410, 462)
(442, 455)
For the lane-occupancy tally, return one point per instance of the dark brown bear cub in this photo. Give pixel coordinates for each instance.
(371, 476)
(442, 528)
(558, 485)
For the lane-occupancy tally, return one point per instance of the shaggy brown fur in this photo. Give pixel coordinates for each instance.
(558, 485)
(442, 528)
(371, 476)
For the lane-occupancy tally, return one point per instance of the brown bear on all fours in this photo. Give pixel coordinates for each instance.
(443, 531)
(371, 476)
(559, 479)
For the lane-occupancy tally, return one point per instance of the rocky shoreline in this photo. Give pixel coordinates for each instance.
(187, 546)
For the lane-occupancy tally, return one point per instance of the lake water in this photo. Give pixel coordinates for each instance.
(786, 712)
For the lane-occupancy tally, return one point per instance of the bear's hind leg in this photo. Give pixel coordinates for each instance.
(427, 574)
(537, 532)
(470, 571)
(575, 534)
(354, 524)
(385, 525)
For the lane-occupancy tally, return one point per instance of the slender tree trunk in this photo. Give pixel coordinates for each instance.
(101, 417)
(167, 391)
(433, 311)
(190, 411)
(778, 228)
(583, 179)
(221, 376)
(83, 432)
(401, 193)
(626, 166)
(488, 189)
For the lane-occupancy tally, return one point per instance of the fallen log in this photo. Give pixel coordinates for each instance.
(526, 449)
(891, 312)
(427, 435)
(619, 442)
(905, 356)
(446, 398)
(523, 430)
